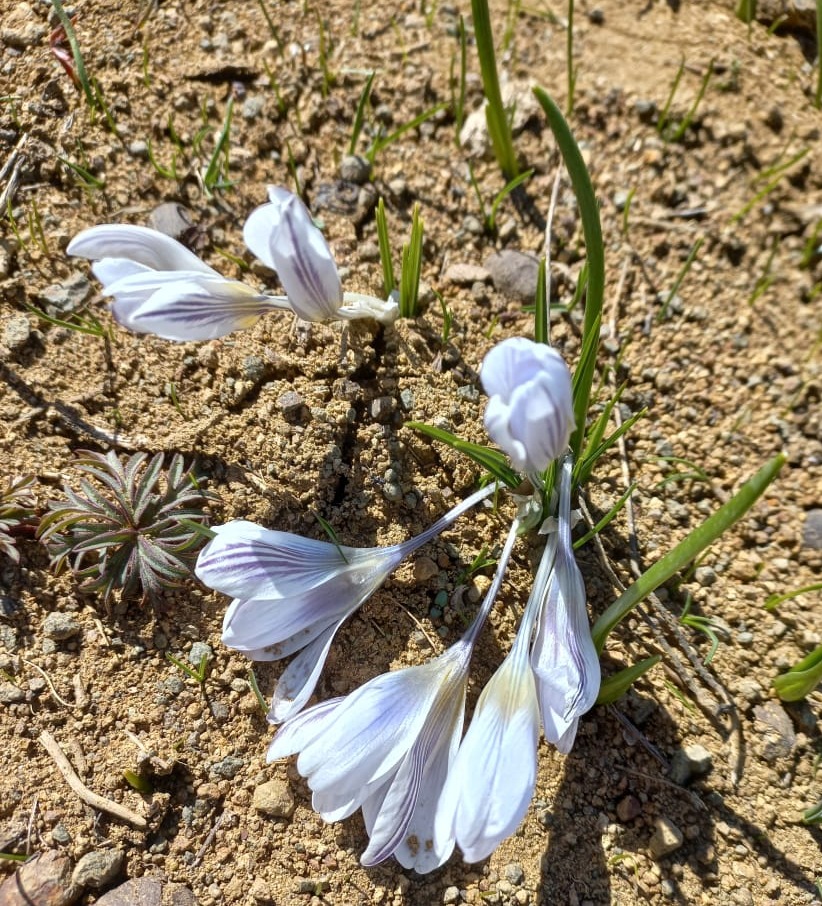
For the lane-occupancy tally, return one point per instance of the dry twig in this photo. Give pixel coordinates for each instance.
(50, 744)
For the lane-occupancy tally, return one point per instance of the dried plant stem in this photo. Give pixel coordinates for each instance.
(50, 744)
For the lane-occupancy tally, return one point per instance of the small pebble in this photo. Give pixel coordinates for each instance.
(61, 626)
(354, 168)
(692, 761)
(229, 767)
(667, 838)
(274, 798)
(98, 868)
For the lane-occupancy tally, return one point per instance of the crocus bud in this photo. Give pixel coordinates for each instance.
(530, 413)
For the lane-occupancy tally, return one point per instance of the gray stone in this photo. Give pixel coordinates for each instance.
(514, 873)
(468, 392)
(254, 368)
(407, 399)
(667, 838)
(514, 274)
(60, 835)
(451, 895)
(274, 798)
(645, 110)
(170, 218)
(382, 408)
(229, 767)
(692, 761)
(775, 737)
(253, 106)
(11, 694)
(705, 575)
(198, 650)
(8, 638)
(69, 294)
(138, 148)
(98, 868)
(291, 405)
(61, 626)
(356, 169)
(812, 531)
(466, 274)
(16, 332)
(137, 892)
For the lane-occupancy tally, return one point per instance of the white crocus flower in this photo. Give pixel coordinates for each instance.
(160, 287)
(492, 779)
(388, 747)
(563, 657)
(291, 594)
(530, 413)
(283, 236)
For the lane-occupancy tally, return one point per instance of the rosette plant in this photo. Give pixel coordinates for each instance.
(131, 526)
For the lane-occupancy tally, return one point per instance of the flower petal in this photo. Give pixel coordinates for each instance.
(109, 270)
(260, 623)
(492, 779)
(202, 309)
(246, 560)
(283, 235)
(136, 243)
(373, 729)
(530, 412)
(302, 730)
(299, 678)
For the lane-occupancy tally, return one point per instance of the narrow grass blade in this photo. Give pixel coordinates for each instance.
(615, 686)
(775, 600)
(389, 282)
(541, 330)
(359, 116)
(687, 550)
(595, 252)
(503, 194)
(492, 460)
(411, 268)
(663, 312)
(79, 63)
(571, 73)
(802, 679)
(498, 126)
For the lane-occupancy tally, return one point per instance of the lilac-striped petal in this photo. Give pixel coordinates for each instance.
(401, 822)
(492, 779)
(136, 243)
(297, 683)
(245, 560)
(563, 656)
(202, 309)
(278, 623)
(302, 730)
(282, 234)
(110, 270)
(530, 412)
